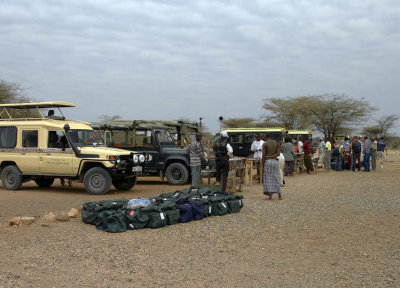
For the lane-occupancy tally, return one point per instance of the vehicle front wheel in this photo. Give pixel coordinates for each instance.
(177, 174)
(11, 178)
(125, 183)
(44, 182)
(97, 181)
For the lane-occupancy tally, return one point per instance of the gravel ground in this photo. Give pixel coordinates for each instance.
(332, 229)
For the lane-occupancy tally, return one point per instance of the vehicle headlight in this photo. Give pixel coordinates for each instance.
(141, 158)
(135, 158)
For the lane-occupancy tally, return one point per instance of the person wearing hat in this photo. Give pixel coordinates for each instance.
(223, 150)
(196, 156)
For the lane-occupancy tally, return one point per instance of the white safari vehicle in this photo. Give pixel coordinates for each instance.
(37, 144)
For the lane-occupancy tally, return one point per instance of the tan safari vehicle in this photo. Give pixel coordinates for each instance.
(42, 147)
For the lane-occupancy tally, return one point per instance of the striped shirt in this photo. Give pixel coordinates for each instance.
(196, 153)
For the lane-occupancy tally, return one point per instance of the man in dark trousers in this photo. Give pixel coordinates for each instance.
(356, 150)
(308, 157)
(223, 150)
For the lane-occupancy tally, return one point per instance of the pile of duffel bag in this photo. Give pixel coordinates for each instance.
(167, 209)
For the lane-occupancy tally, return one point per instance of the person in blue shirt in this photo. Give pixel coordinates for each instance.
(381, 151)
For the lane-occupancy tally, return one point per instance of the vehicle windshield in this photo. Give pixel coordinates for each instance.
(83, 138)
(164, 138)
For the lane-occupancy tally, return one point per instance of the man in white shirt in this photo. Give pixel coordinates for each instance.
(300, 147)
(256, 147)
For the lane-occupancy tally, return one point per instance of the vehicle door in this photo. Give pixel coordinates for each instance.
(28, 158)
(56, 156)
(145, 143)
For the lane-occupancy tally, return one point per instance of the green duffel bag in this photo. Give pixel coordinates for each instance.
(173, 216)
(209, 190)
(219, 207)
(113, 221)
(89, 212)
(234, 205)
(137, 219)
(157, 220)
(113, 204)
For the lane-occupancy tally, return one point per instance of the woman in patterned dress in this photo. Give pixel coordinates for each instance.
(271, 151)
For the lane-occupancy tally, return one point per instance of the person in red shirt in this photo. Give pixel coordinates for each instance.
(307, 157)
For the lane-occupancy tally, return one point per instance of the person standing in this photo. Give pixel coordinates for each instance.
(281, 164)
(288, 154)
(321, 150)
(271, 151)
(356, 149)
(256, 147)
(223, 150)
(374, 147)
(346, 154)
(367, 154)
(381, 149)
(300, 148)
(327, 157)
(307, 157)
(196, 156)
(337, 152)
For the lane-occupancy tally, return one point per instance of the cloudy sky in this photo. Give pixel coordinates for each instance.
(182, 58)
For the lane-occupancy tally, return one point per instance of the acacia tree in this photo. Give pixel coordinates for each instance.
(381, 129)
(108, 118)
(331, 113)
(287, 112)
(11, 93)
(386, 123)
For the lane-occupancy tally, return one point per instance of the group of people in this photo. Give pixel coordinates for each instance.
(223, 151)
(347, 155)
(267, 149)
(275, 160)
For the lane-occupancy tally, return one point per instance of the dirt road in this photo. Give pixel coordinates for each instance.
(332, 229)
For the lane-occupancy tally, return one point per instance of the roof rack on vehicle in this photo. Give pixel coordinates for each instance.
(6, 114)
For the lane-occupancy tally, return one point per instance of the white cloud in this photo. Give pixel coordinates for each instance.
(167, 59)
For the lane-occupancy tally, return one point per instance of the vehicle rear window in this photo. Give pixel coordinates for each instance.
(8, 137)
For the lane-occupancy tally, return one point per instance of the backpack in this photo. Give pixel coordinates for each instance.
(335, 151)
(356, 147)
